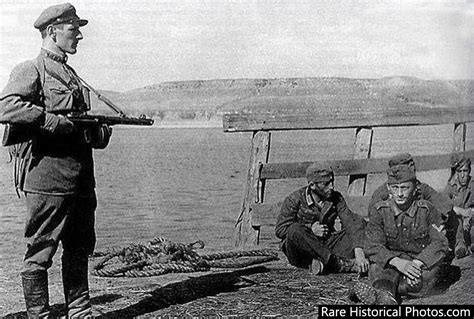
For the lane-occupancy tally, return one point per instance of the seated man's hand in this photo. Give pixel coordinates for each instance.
(410, 268)
(413, 282)
(466, 224)
(463, 212)
(320, 230)
(361, 262)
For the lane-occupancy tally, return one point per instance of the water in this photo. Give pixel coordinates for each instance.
(178, 183)
(188, 184)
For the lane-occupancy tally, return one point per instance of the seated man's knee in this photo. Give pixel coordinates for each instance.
(296, 231)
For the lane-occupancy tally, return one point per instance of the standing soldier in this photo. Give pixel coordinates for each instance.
(405, 243)
(459, 190)
(56, 169)
(318, 230)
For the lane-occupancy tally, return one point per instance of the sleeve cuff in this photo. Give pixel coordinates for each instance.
(51, 121)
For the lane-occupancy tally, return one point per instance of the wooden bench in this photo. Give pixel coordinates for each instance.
(263, 114)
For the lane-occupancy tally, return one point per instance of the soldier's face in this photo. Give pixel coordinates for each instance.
(402, 193)
(323, 189)
(464, 174)
(67, 36)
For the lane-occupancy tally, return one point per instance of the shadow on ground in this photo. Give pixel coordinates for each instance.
(186, 291)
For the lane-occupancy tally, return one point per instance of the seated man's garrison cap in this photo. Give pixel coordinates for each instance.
(61, 13)
(400, 174)
(317, 173)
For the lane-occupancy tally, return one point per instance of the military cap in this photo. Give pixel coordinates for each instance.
(402, 159)
(459, 160)
(61, 13)
(317, 172)
(400, 174)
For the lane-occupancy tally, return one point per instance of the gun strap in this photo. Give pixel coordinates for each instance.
(105, 100)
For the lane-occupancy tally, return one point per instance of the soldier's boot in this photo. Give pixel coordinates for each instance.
(405, 289)
(35, 290)
(316, 267)
(370, 295)
(342, 265)
(461, 250)
(76, 287)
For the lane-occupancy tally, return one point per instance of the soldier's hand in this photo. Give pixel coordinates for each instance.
(413, 282)
(361, 262)
(411, 269)
(466, 224)
(57, 124)
(320, 230)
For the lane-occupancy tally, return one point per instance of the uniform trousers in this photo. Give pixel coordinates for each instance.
(301, 246)
(390, 279)
(54, 219)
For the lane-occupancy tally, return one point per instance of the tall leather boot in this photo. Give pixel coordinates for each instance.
(76, 286)
(35, 289)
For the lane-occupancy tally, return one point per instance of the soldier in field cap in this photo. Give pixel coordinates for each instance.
(405, 243)
(318, 231)
(460, 190)
(424, 191)
(53, 163)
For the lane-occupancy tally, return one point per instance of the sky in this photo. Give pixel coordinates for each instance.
(132, 44)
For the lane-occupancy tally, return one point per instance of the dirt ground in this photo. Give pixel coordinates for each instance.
(272, 289)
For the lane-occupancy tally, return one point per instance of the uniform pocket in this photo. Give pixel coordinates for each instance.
(421, 237)
(61, 99)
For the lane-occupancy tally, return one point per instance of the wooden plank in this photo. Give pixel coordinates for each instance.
(362, 147)
(361, 166)
(245, 235)
(459, 137)
(318, 119)
(265, 214)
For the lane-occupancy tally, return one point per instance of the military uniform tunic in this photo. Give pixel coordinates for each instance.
(61, 164)
(300, 210)
(416, 233)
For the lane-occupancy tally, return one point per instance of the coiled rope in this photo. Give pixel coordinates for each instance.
(162, 256)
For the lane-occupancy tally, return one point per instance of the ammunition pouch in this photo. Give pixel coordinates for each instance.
(98, 136)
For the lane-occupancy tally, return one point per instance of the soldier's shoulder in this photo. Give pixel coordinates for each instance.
(26, 68)
(424, 204)
(382, 204)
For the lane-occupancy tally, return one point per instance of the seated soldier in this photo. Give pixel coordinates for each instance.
(405, 243)
(439, 200)
(318, 230)
(459, 190)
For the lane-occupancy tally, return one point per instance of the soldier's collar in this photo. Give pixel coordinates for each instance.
(54, 56)
(312, 198)
(410, 211)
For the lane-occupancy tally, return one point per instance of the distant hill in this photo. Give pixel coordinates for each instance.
(206, 100)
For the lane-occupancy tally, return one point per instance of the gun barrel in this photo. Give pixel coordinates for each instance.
(109, 120)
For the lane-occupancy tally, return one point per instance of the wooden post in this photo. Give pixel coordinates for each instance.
(459, 138)
(362, 147)
(254, 189)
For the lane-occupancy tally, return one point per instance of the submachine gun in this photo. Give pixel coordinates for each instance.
(99, 132)
(97, 126)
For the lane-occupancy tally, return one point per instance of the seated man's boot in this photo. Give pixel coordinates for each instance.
(364, 293)
(369, 295)
(342, 265)
(76, 288)
(405, 289)
(316, 267)
(461, 250)
(35, 289)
